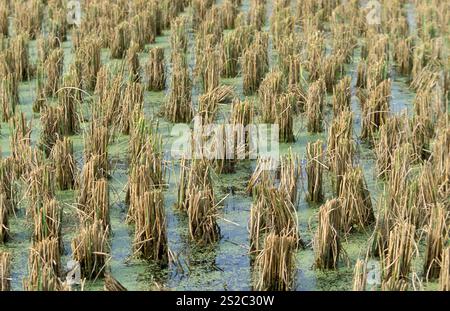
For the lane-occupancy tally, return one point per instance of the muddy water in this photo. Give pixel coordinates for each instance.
(225, 265)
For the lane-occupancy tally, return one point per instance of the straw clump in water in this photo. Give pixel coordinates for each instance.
(178, 107)
(436, 239)
(314, 171)
(5, 271)
(44, 267)
(155, 70)
(327, 244)
(275, 263)
(150, 240)
(255, 63)
(64, 164)
(90, 248)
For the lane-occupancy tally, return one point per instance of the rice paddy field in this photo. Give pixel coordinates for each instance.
(96, 96)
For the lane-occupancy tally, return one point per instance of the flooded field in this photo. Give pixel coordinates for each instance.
(398, 137)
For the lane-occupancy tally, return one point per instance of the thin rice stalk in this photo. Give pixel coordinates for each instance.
(20, 143)
(242, 112)
(97, 206)
(58, 24)
(258, 226)
(288, 54)
(421, 135)
(225, 148)
(399, 188)
(230, 54)
(295, 70)
(113, 99)
(211, 29)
